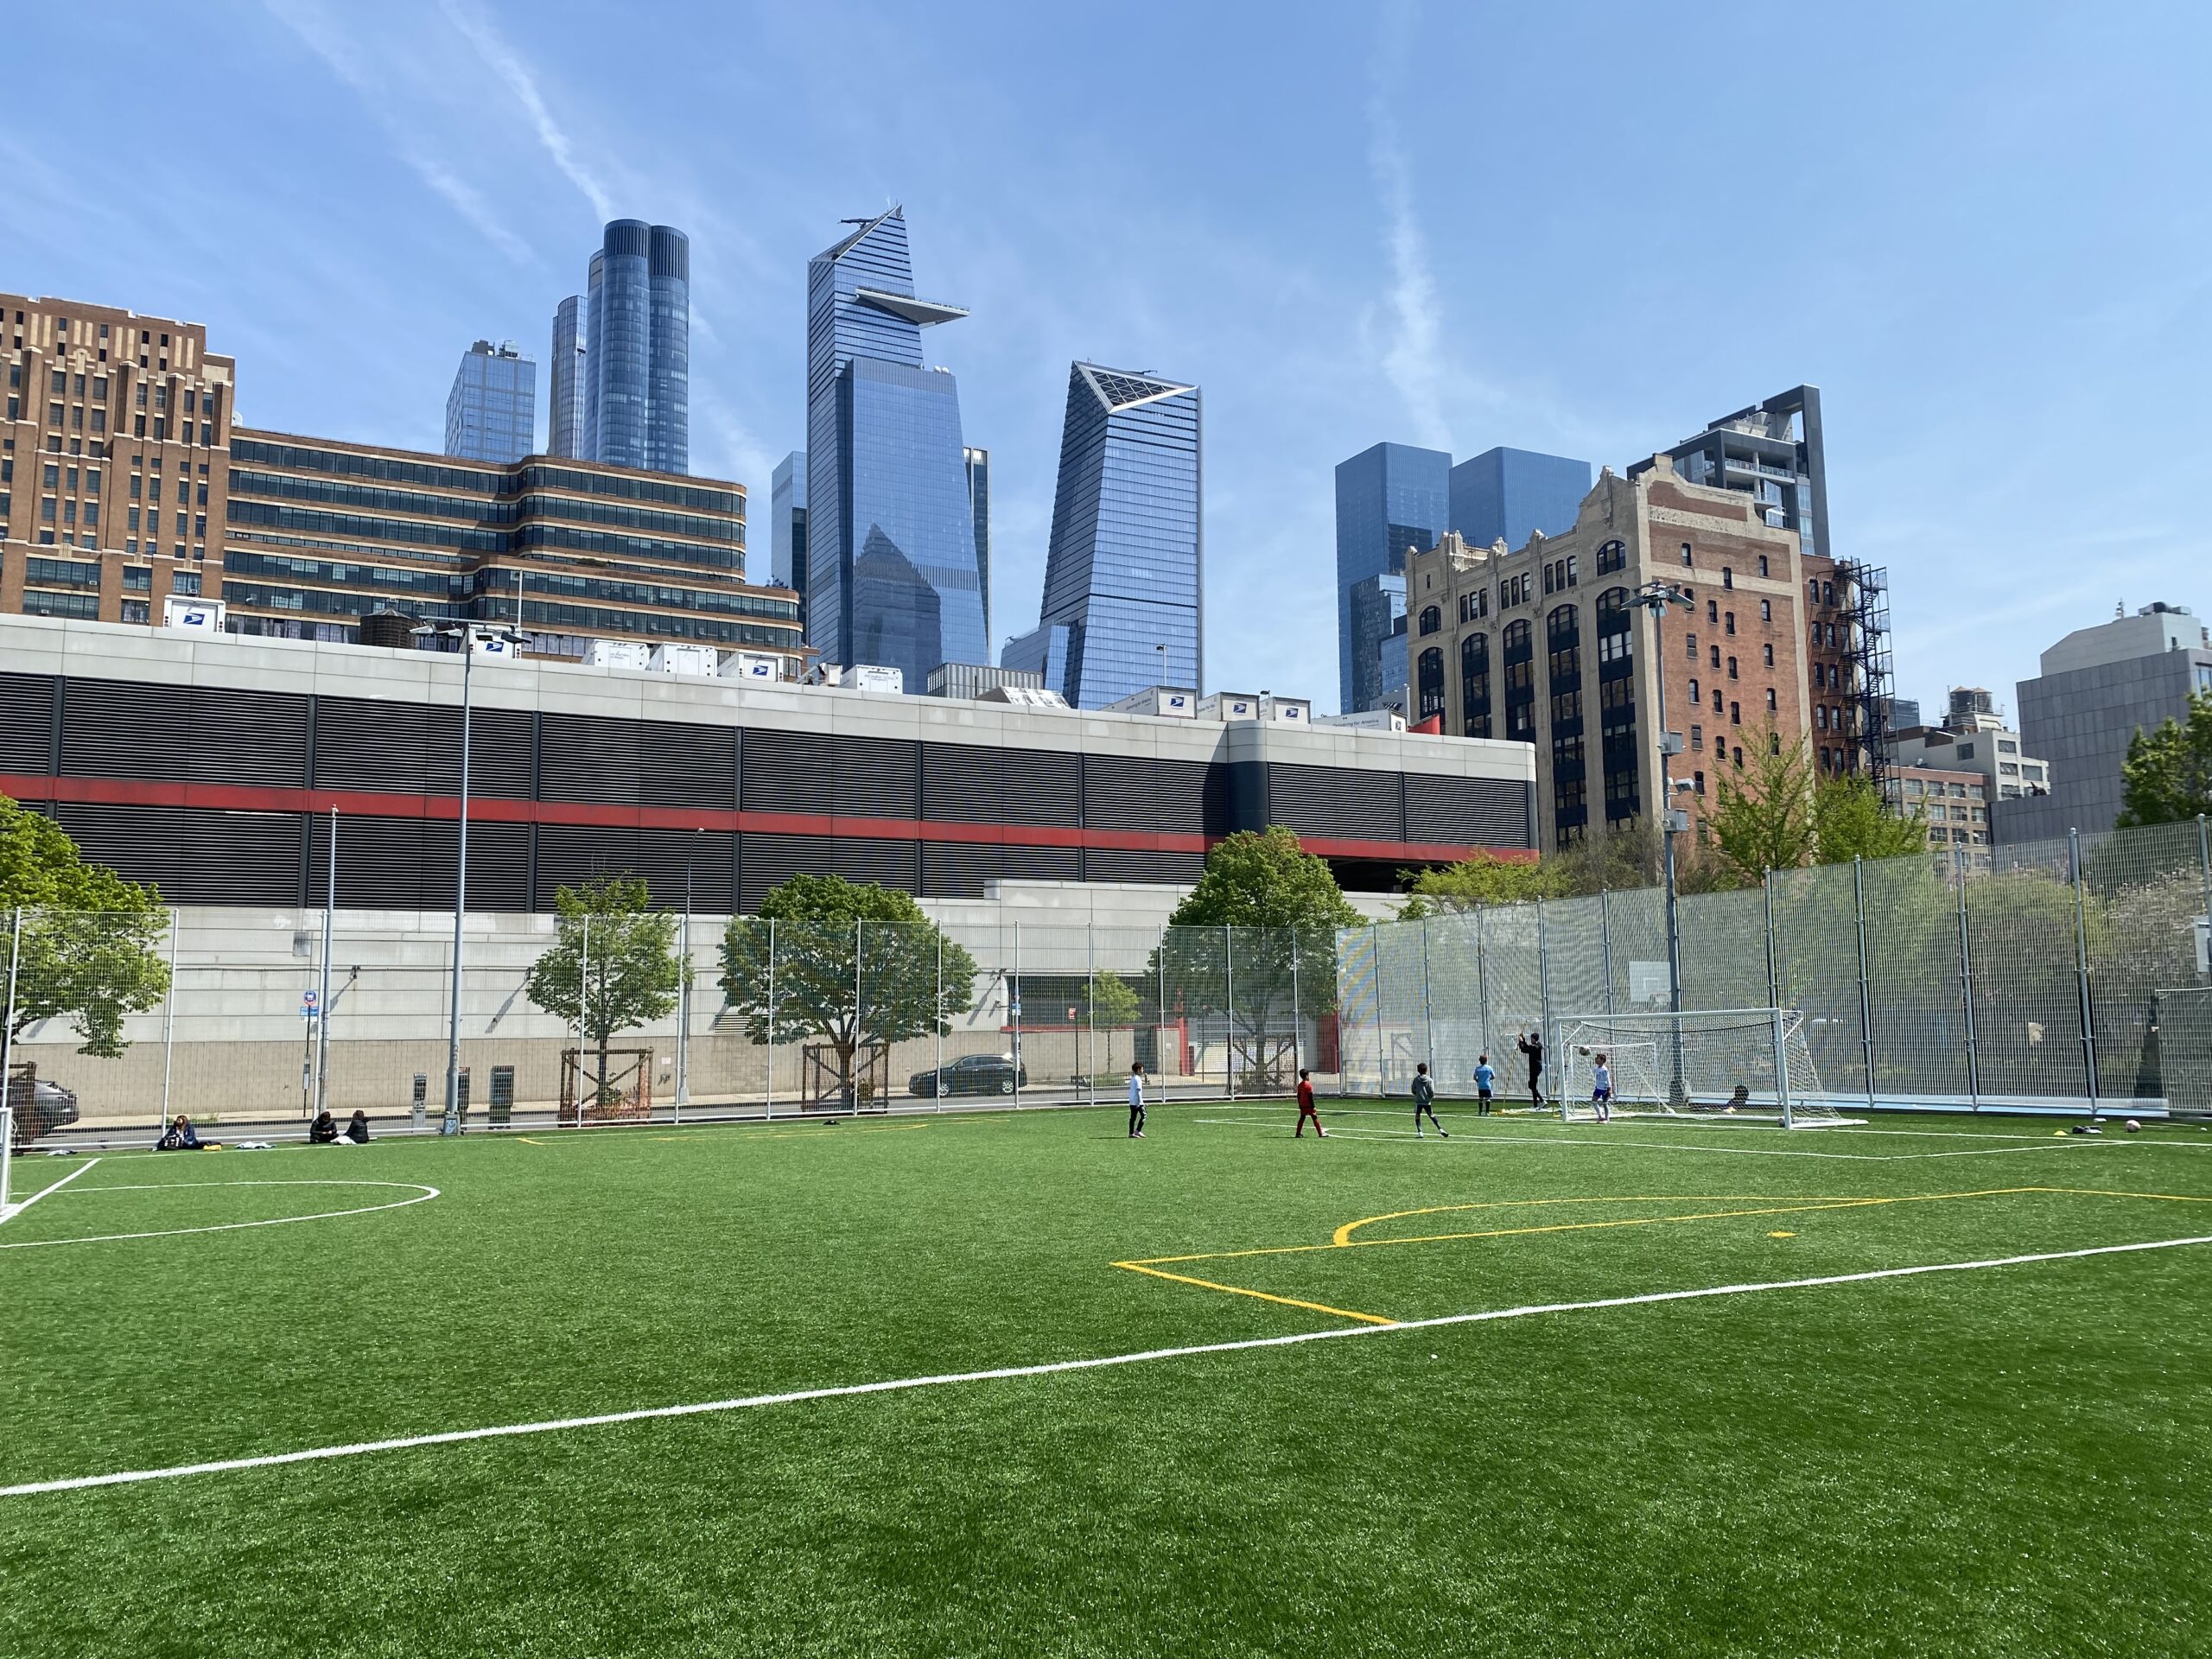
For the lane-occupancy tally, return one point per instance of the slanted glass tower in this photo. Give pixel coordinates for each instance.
(566, 372)
(638, 351)
(1389, 498)
(892, 556)
(1122, 573)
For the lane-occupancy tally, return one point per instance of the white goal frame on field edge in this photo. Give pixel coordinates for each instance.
(1693, 1064)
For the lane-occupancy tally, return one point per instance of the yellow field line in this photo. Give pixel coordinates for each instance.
(1241, 1290)
(1342, 1239)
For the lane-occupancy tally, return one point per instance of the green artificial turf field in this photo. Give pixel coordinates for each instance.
(2009, 1459)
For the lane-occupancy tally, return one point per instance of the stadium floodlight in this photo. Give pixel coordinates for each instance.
(469, 636)
(1656, 598)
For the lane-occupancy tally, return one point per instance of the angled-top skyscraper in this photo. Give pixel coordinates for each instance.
(1123, 573)
(892, 574)
(636, 359)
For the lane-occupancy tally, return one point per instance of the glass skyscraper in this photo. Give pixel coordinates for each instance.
(1123, 571)
(892, 554)
(491, 411)
(1389, 498)
(979, 507)
(565, 375)
(638, 348)
(787, 529)
(1510, 494)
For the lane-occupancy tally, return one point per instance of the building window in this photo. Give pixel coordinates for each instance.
(1613, 556)
(1431, 673)
(1697, 781)
(1731, 668)
(1769, 650)
(1474, 685)
(1766, 610)
(1727, 576)
(1432, 619)
(1518, 651)
(1689, 642)
(1697, 737)
(1771, 705)
(1694, 698)
(1686, 553)
(1713, 610)
(1763, 564)
(1728, 623)
(137, 610)
(184, 581)
(1737, 757)
(1716, 656)
(1735, 713)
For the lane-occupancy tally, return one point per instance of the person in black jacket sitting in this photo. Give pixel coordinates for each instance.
(358, 1130)
(180, 1136)
(323, 1132)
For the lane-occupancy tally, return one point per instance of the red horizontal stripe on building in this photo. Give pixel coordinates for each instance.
(483, 809)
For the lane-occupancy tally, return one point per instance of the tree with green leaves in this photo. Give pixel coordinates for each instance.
(613, 965)
(1852, 820)
(1257, 938)
(1762, 818)
(90, 952)
(846, 963)
(2167, 776)
(1481, 880)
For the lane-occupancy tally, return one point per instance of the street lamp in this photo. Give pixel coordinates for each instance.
(1655, 598)
(468, 638)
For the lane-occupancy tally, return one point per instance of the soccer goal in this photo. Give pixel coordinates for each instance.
(1749, 1064)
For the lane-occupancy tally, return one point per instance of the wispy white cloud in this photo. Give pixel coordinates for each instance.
(492, 48)
(321, 33)
(1411, 358)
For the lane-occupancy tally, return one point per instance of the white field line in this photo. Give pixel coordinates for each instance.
(454, 1437)
(424, 1195)
(14, 1210)
(1599, 1136)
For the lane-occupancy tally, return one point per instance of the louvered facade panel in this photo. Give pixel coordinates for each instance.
(1339, 802)
(194, 855)
(877, 777)
(211, 734)
(1115, 864)
(1468, 811)
(684, 764)
(1121, 791)
(1041, 863)
(766, 861)
(583, 758)
(961, 784)
(787, 772)
(392, 863)
(410, 748)
(957, 869)
(26, 723)
(1041, 787)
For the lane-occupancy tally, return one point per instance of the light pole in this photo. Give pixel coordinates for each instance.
(468, 638)
(1655, 598)
(683, 990)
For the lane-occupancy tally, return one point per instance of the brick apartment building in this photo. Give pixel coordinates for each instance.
(1543, 645)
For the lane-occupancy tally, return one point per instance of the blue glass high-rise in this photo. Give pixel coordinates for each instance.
(979, 507)
(1123, 572)
(565, 375)
(1389, 498)
(787, 526)
(638, 351)
(891, 575)
(1510, 494)
(492, 410)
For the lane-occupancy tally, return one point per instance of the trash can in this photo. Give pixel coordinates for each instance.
(421, 1097)
(503, 1096)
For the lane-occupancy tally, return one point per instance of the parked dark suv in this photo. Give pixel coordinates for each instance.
(972, 1074)
(40, 1106)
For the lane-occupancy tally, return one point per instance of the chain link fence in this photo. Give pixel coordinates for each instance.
(2065, 975)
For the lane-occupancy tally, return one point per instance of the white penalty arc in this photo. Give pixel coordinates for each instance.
(1053, 1368)
(422, 1194)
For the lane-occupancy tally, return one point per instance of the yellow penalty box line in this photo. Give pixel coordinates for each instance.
(1342, 1239)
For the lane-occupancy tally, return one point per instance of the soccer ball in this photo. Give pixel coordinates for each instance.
(2134, 1125)
(1582, 1048)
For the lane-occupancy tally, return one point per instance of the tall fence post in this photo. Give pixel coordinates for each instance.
(1013, 1013)
(168, 1016)
(1228, 1006)
(1544, 1001)
(1090, 1010)
(1959, 866)
(1382, 1027)
(937, 1021)
(7, 1059)
(1773, 978)
(860, 1036)
(1865, 1003)
(1427, 1002)
(1297, 1050)
(2205, 863)
(583, 1010)
(1160, 955)
(1782, 1066)
(1482, 982)
(1606, 942)
(2082, 971)
(768, 1084)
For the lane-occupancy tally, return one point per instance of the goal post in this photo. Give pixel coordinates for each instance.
(1747, 1065)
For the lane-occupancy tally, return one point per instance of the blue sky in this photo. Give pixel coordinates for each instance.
(1981, 229)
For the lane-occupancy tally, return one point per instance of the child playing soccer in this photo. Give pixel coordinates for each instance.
(1485, 1080)
(1306, 1106)
(1601, 1089)
(1425, 1100)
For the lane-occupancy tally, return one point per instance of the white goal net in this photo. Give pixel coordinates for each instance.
(1751, 1064)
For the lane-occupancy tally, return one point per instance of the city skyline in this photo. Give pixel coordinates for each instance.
(509, 146)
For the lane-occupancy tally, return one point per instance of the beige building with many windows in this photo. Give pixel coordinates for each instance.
(1544, 646)
(112, 461)
(1956, 804)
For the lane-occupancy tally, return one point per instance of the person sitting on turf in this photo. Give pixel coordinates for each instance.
(323, 1132)
(358, 1130)
(180, 1136)
(1741, 1097)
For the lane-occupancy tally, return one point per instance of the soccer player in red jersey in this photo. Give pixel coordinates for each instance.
(1305, 1105)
